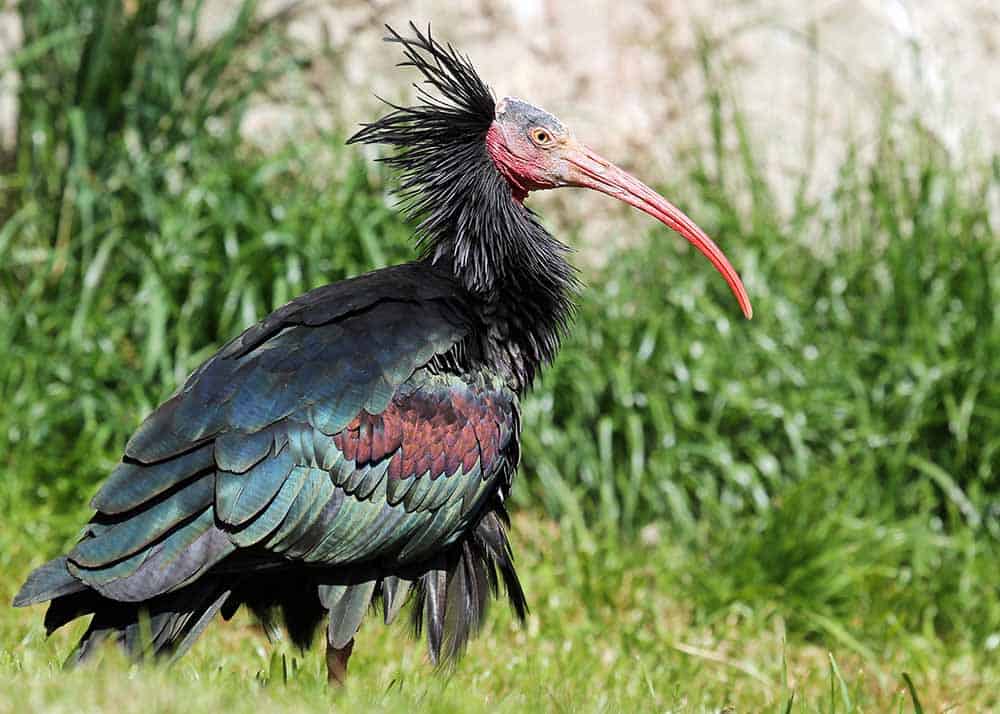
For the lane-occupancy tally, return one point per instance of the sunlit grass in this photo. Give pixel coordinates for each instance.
(632, 643)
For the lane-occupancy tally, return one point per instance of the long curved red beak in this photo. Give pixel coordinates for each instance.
(588, 169)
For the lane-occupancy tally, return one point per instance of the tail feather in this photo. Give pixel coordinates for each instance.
(452, 600)
(193, 625)
(174, 621)
(346, 614)
(65, 609)
(434, 591)
(48, 582)
(490, 539)
(466, 601)
(394, 593)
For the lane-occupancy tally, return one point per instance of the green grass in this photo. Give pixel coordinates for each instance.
(711, 512)
(632, 644)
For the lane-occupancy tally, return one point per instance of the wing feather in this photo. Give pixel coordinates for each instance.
(241, 496)
(133, 483)
(292, 441)
(130, 535)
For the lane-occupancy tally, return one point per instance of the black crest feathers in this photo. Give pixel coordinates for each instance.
(441, 159)
(448, 182)
(464, 110)
(470, 222)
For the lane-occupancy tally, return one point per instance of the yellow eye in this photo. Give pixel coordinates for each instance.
(540, 136)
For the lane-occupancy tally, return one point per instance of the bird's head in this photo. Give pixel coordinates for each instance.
(468, 162)
(535, 151)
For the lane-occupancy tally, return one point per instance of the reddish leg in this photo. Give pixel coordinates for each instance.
(336, 663)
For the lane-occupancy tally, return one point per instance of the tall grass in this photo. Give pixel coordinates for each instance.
(835, 462)
(141, 229)
(839, 456)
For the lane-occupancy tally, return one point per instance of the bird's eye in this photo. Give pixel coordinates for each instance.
(540, 136)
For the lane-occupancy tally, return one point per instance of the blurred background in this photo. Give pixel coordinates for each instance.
(712, 515)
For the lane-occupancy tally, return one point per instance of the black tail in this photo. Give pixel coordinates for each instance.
(452, 599)
(123, 594)
(163, 626)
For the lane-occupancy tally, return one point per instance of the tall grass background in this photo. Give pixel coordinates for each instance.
(832, 466)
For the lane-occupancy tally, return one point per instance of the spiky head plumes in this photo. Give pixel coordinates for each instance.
(469, 216)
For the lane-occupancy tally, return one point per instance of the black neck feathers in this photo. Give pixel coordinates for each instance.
(469, 221)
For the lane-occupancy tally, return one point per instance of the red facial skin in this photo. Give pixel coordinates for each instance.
(522, 170)
(533, 158)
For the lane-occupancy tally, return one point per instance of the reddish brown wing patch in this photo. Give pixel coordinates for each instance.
(436, 429)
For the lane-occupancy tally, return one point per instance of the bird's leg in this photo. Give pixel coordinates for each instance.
(336, 662)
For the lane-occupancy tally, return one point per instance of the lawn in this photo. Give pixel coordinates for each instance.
(624, 640)
(800, 513)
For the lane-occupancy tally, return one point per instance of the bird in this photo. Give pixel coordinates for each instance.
(354, 450)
